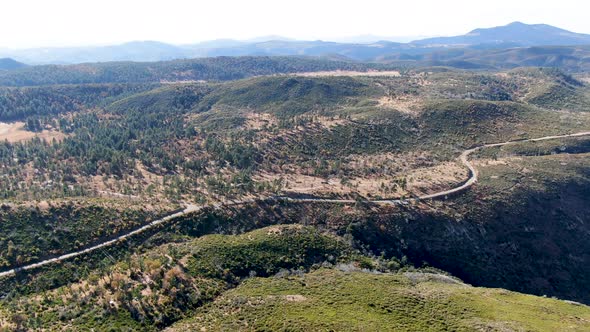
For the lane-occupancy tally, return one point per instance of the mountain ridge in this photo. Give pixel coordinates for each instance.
(516, 34)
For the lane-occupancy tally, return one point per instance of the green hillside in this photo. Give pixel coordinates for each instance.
(330, 299)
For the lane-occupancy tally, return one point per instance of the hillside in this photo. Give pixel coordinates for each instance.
(363, 301)
(167, 282)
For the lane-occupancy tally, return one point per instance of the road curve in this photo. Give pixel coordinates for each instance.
(464, 158)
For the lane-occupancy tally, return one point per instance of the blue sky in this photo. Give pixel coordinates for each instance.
(29, 23)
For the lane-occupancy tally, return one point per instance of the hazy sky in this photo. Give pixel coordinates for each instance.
(28, 23)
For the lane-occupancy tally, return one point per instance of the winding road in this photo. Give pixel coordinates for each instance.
(190, 208)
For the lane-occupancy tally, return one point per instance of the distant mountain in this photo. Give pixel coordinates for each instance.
(363, 48)
(141, 51)
(370, 39)
(148, 51)
(9, 64)
(132, 51)
(515, 33)
(361, 52)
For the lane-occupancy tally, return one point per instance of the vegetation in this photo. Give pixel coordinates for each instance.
(156, 288)
(188, 281)
(330, 299)
(49, 101)
(521, 208)
(32, 234)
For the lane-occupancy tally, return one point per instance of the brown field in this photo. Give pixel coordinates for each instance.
(15, 132)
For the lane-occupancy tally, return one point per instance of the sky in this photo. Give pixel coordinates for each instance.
(43, 23)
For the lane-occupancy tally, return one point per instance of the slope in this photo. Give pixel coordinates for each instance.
(341, 300)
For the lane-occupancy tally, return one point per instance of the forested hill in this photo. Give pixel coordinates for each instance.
(209, 69)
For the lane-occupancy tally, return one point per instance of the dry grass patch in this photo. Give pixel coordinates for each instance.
(15, 132)
(258, 121)
(385, 175)
(444, 175)
(404, 104)
(6, 322)
(400, 181)
(490, 162)
(388, 163)
(329, 122)
(371, 73)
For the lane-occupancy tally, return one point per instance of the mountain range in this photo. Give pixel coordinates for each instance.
(514, 35)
